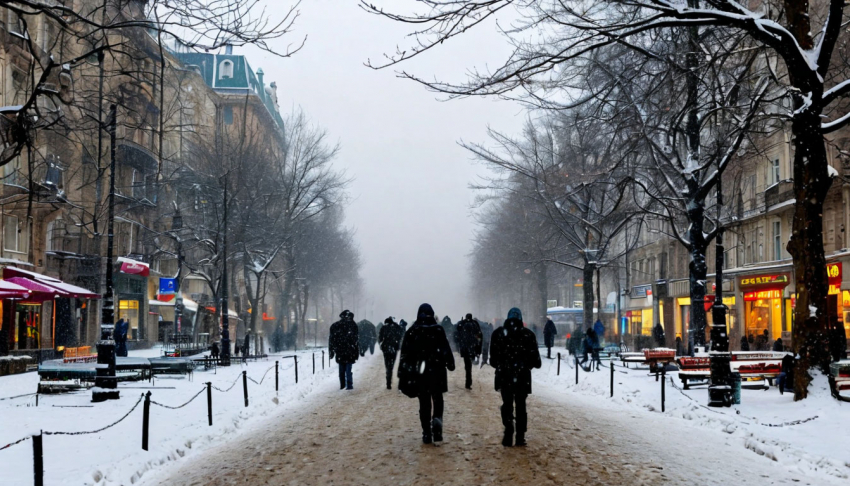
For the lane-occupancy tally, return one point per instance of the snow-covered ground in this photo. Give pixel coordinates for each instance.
(811, 437)
(114, 455)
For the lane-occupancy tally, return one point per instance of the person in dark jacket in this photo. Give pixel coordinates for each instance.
(214, 351)
(122, 327)
(425, 357)
(599, 330)
(486, 335)
(513, 353)
(786, 377)
(449, 329)
(658, 335)
(745, 344)
(246, 347)
(549, 332)
(342, 344)
(366, 337)
(679, 349)
(778, 345)
(468, 339)
(390, 340)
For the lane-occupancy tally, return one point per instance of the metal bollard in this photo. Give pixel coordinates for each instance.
(38, 460)
(611, 364)
(559, 364)
(314, 363)
(209, 402)
(323, 359)
(576, 370)
(296, 369)
(276, 376)
(663, 379)
(36, 399)
(245, 386)
(146, 420)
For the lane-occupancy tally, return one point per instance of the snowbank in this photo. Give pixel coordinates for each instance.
(114, 456)
(811, 437)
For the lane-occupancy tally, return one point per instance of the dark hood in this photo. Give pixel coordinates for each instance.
(514, 320)
(425, 315)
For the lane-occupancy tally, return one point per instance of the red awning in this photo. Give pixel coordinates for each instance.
(55, 284)
(134, 267)
(39, 292)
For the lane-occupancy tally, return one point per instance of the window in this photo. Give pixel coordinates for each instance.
(55, 177)
(138, 184)
(777, 240)
(773, 171)
(124, 238)
(228, 115)
(56, 235)
(12, 173)
(225, 70)
(11, 233)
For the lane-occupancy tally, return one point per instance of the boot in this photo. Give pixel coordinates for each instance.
(520, 439)
(437, 429)
(426, 438)
(507, 440)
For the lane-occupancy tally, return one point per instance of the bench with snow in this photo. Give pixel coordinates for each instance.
(754, 366)
(839, 380)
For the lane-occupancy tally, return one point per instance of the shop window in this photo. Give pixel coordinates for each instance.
(129, 311)
(777, 240)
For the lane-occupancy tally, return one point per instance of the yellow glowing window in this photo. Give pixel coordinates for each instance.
(128, 305)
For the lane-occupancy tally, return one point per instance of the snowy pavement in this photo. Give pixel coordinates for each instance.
(810, 438)
(114, 455)
(371, 436)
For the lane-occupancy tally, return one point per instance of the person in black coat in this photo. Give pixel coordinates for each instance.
(390, 339)
(486, 335)
(342, 344)
(549, 332)
(513, 352)
(745, 345)
(658, 335)
(468, 339)
(425, 357)
(366, 337)
(778, 345)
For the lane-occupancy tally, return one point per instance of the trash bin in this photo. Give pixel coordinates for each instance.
(736, 388)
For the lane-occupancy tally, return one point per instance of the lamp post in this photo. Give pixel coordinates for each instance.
(176, 225)
(720, 383)
(106, 384)
(225, 327)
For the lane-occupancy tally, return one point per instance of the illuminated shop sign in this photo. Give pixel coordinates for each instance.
(762, 294)
(764, 280)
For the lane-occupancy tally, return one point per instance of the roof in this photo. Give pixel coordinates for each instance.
(244, 78)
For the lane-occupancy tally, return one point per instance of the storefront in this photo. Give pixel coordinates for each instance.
(131, 298)
(767, 311)
(639, 317)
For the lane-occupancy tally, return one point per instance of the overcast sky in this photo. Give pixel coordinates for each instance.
(410, 199)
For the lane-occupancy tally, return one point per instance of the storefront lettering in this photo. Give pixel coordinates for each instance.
(762, 294)
(765, 280)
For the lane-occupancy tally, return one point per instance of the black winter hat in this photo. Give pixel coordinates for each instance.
(469, 317)
(425, 311)
(389, 320)
(346, 313)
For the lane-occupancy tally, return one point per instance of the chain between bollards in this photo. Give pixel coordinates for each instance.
(245, 386)
(146, 420)
(38, 460)
(209, 402)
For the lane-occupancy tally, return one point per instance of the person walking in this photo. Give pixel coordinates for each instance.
(486, 334)
(599, 331)
(468, 339)
(513, 353)
(390, 340)
(366, 337)
(449, 329)
(342, 344)
(122, 327)
(658, 335)
(549, 332)
(425, 357)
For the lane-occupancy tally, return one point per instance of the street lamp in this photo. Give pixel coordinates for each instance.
(176, 225)
(105, 382)
(720, 383)
(225, 327)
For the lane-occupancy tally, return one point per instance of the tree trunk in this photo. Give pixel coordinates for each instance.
(810, 338)
(543, 289)
(587, 288)
(697, 271)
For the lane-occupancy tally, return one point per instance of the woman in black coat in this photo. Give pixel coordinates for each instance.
(425, 357)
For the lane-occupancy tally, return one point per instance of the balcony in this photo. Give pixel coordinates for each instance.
(782, 191)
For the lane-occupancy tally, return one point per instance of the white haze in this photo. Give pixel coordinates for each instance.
(410, 199)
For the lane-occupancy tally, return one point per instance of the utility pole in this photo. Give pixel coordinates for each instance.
(720, 385)
(176, 225)
(225, 331)
(106, 384)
